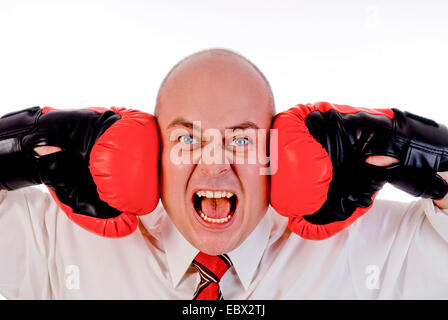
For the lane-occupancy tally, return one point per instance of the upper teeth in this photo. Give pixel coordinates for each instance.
(214, 194)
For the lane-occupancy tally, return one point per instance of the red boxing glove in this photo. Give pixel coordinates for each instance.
(323, 183)
(106, 173)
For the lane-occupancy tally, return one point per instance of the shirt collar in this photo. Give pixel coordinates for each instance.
(179, 252)
(245, 258)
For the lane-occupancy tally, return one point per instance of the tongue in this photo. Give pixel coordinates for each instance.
(216, 208)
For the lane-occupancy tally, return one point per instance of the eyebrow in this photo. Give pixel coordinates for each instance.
(188, 124)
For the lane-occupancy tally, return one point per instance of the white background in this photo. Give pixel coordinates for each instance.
(115, 53)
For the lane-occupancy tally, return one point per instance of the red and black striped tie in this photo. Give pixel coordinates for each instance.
(211, 269)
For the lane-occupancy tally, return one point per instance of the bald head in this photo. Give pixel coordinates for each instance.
(215, 69)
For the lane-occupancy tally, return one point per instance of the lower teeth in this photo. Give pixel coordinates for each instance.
(222, 220)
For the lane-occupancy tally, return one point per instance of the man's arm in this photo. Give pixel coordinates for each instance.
(322, 152)
(27, 220)
(91, 174)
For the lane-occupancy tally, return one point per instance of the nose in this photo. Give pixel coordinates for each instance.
(213, 169)
(213, 161)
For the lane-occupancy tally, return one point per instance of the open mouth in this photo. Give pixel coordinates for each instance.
(215, 207)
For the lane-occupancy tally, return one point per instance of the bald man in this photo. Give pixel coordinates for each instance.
(214, 112)
(221, 91)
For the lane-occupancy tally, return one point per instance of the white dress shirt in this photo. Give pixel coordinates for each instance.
(395, 251)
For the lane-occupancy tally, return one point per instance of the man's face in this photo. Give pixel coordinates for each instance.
(214, 120)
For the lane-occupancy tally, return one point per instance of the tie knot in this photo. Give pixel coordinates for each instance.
(211, 268)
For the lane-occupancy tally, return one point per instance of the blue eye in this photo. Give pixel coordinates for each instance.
(241, 141)
(186, 139)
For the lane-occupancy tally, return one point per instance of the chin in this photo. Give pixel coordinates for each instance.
(215, 248)
(215, 242)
